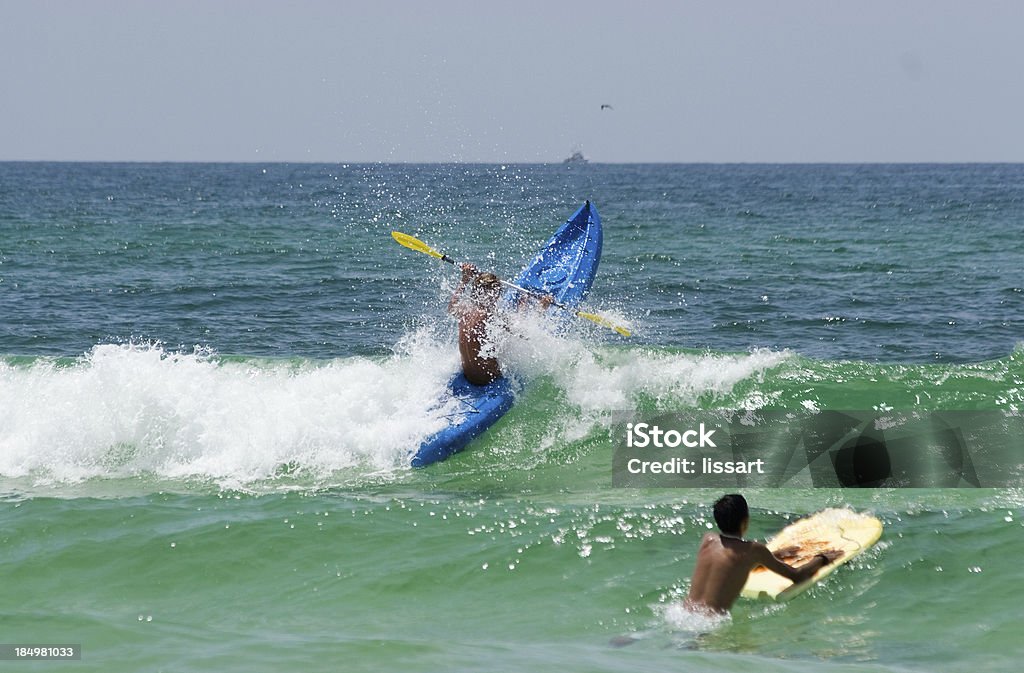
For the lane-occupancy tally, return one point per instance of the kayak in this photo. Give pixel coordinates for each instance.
(565, 267)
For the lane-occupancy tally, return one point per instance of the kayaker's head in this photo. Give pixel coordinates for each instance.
(488, 288)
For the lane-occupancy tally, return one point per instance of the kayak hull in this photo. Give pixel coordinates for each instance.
(564, 267)
(477, 408)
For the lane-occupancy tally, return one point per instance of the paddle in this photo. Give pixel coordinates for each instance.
(419, 246)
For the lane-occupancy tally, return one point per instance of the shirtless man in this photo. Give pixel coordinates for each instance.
(474, 314)
(725, 559)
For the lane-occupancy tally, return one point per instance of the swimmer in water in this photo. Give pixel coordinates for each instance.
(725, 559)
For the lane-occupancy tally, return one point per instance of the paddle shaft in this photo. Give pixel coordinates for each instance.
(419, 246)
(535, 293)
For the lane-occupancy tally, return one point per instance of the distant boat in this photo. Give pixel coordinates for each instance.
(576, 158)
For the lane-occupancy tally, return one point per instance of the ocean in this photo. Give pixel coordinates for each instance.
(211, 376)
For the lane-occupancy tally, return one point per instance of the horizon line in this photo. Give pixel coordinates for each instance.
(514, 163)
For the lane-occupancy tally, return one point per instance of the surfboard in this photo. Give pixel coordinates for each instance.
(841, 530)
(564, 267)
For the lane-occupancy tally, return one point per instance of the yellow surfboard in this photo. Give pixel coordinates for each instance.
(840, 530)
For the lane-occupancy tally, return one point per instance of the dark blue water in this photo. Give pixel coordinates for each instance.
(910, 263)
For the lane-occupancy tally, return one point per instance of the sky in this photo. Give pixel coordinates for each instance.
(503, 82)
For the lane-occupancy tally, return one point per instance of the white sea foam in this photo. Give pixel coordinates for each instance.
(611, 379)
(680, 618)
(598, 383)
(130, 410)
(124, 410)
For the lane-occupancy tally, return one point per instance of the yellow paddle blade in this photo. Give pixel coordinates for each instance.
(604, 322)
(415, 244)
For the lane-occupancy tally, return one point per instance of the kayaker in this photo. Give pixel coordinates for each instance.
(475, 313)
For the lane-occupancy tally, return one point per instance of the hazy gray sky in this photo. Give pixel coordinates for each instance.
(441, 80)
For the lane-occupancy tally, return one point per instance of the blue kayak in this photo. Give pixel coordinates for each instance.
(564, 267)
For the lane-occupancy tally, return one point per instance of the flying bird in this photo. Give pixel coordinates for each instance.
(605, 106)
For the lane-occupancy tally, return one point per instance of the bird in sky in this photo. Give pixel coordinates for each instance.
(605, 106)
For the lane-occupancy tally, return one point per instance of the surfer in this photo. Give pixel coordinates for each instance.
(724, 560)
(475, 314)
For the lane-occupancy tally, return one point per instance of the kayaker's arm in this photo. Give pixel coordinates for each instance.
(468, 273)
(544, 302)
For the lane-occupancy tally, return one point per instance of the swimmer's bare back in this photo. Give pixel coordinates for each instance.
(723, 564)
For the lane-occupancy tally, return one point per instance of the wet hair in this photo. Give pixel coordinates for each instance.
(488, 281)
(730, 512)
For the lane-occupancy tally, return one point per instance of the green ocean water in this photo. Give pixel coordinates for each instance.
(211, 376)
(496, 578)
